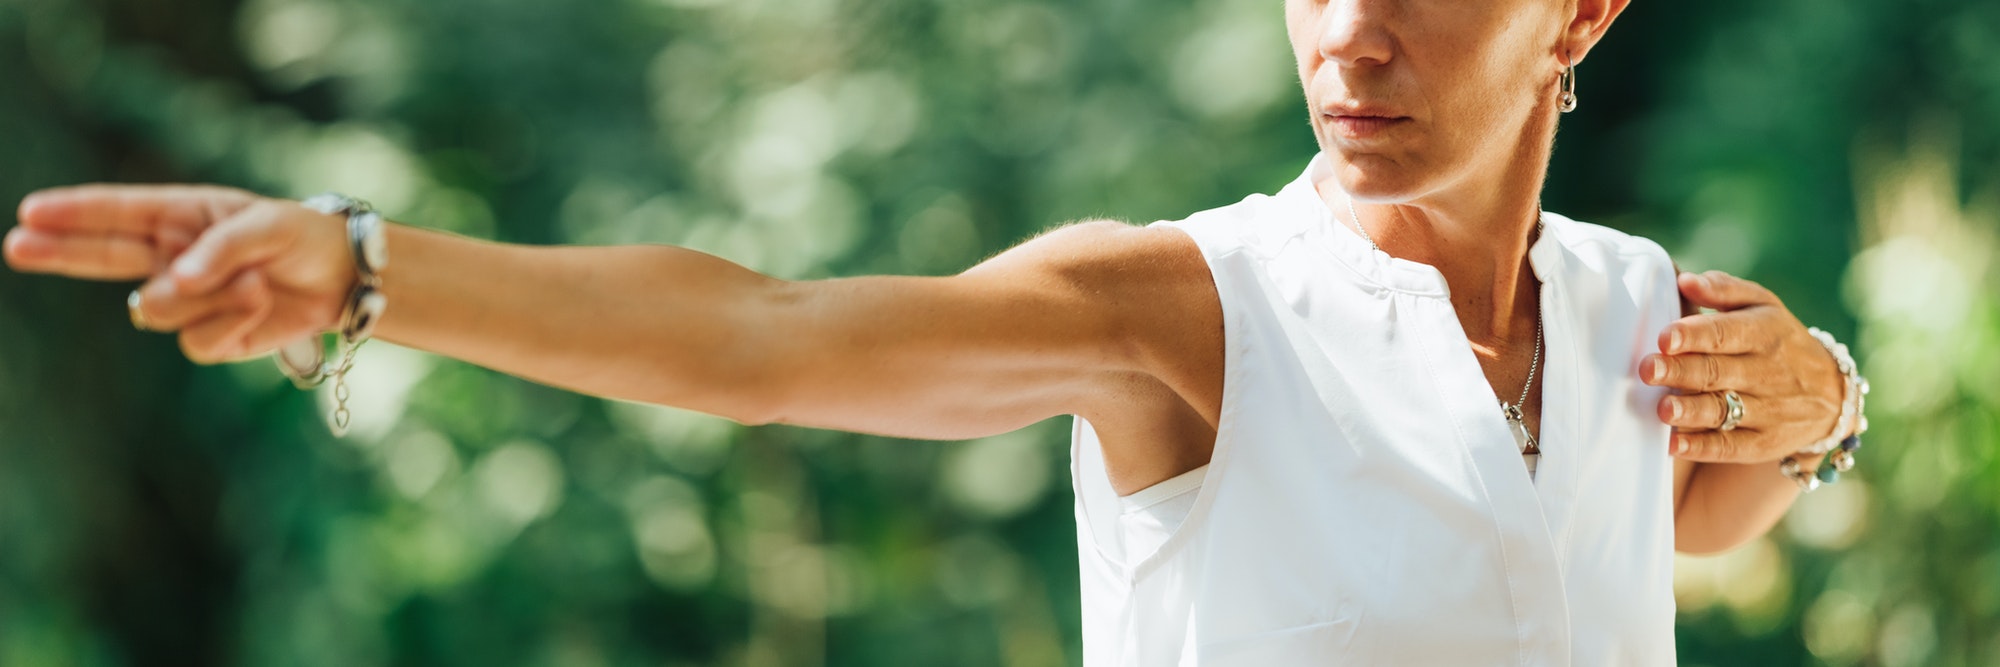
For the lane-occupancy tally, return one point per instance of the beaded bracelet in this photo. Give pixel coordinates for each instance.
(1838, 448)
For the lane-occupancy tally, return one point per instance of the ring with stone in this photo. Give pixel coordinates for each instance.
(133, 309)
(1732, 411)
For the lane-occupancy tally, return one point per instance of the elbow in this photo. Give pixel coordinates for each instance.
(737, 365)
(747, 388)
(759, 365)
(754, 408)
(718, 395)
(723, 390)
(753, 418)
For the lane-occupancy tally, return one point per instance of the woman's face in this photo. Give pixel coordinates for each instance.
(1411, 98)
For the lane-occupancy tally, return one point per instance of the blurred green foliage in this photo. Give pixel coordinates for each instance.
(155, 513)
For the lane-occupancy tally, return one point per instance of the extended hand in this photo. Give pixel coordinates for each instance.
(237, 275)
(1790, 387)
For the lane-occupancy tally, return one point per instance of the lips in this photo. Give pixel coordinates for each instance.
(1360, 121)
(1364, 126)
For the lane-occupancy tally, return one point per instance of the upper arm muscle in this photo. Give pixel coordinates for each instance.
(1035, 332)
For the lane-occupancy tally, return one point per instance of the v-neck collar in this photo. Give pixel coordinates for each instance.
(1532, 517)
(1395, 273)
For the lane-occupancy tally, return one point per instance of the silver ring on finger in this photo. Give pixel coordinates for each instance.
(136, 310)
(1732, 413)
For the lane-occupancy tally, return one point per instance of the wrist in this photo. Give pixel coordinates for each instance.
(366, 250)
(1824, 461)
(1849, 421)
(320, 270)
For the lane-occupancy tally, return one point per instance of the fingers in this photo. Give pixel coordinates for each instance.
(1734, 332)
(221, 334)
(251, 237)
(244, 320)
(1769, 430)
(1695, 372)
(218, 339)
(239, 336)
(278, 329)
(1721, 291)
(114, 232)
(87, 256)
(165, 307)
(1705, 411)
(135, 210)
(1713, 446)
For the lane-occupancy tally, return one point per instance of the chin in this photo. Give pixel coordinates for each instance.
(1376, 180)
(1378, 175)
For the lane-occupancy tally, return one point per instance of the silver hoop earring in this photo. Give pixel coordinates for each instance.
(1566, 102)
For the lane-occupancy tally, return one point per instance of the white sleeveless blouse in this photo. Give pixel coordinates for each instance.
(1366, 503)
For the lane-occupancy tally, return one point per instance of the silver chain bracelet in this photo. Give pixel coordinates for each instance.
(305, 361)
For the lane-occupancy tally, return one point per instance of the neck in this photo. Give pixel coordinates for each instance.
(1475, 232)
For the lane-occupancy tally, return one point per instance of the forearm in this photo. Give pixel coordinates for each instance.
(649, 323)
(1727, 504)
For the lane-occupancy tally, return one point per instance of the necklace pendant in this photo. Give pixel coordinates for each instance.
(1531, 451)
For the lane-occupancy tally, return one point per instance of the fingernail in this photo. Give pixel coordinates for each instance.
(1674, 341)
(188, 267)
(1658, 372)
(1674, 407)
(1680, 445)
(1703, 280)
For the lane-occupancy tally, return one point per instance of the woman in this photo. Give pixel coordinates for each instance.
(1288, 448)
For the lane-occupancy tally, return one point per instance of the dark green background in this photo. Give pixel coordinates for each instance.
(157, 513)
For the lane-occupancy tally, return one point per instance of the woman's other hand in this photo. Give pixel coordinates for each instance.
(236, 275)
(1790, 387)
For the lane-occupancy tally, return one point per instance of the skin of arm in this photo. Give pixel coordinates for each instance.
(1038, 331)
(1067, 323)
(1724, 505)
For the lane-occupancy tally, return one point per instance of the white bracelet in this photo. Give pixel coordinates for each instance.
(1854, 390)
(1842, 444)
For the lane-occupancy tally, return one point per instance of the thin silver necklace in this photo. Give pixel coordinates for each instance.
(1531, 450)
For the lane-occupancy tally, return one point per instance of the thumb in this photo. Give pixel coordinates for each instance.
(255, 235)
(1721, 291)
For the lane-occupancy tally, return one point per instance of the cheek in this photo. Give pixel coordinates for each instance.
(1484, 94)
(1300, 18)
(1477, 58)
(1507, 101)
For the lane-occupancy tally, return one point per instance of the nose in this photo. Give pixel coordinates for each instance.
(1352, 33)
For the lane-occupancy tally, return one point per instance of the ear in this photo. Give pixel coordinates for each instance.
(1590, 20)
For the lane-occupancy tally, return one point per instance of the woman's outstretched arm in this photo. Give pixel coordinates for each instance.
(1052, 327)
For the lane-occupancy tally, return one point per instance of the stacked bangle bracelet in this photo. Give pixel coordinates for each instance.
(305, 361)
(1838, 448)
